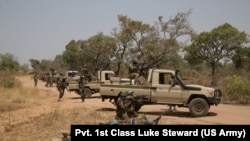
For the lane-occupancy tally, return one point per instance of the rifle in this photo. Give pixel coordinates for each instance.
(156, 121)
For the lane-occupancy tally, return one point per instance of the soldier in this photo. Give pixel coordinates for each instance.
(35, 77)
(120, 106)
(81, 84)
(61, 86)
(125, 105)
(47, 79)
(133, 70)
(50, 79)
(86, 73)
(131, 104)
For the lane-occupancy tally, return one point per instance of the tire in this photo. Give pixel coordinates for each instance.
(87, 92)
(198, 107)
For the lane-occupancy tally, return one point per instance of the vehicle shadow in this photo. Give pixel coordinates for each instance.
(166, 112)
(78, 97)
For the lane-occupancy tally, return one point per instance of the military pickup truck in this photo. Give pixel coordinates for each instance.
(90, 87)
(160, 89)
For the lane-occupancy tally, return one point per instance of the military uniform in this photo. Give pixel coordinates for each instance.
(35, 79)
(131, 105)
(121, 106)
(61, 86)
(81, 84)
(133, 70)
(125, 106)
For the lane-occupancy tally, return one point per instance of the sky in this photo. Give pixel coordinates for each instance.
(40, 29)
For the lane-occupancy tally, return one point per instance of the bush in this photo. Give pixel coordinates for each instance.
(7, 79)
(237, 89)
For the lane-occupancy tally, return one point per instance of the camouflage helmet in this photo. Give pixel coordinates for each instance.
(113, 122)
(149, 121)
(123, 93)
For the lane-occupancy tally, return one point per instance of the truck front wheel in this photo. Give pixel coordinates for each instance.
(198, 107)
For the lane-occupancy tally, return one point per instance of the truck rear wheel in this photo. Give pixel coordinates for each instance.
(198, 107)
(87, 92)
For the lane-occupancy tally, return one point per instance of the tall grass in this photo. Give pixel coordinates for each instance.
(45, 126)
(18, 97)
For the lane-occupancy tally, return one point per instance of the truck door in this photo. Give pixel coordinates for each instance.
(164, 92)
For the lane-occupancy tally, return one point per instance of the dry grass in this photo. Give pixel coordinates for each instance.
(45, 126)
(16, 98)
(51, 125)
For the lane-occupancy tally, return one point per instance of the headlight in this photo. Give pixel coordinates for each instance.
(210, 92)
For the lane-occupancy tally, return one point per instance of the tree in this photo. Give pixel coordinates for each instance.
(71, 55)
(34, 64)
(150, 45)
(97, 52)
(215, 47)
(8, 62)
(241, 58)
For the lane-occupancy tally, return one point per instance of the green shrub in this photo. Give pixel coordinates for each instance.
(7, 79)
(237, 89)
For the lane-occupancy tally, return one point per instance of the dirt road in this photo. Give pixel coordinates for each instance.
(29, 125)
(221, 114)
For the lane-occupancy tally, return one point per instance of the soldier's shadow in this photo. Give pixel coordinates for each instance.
(106, 109)
(78, 97)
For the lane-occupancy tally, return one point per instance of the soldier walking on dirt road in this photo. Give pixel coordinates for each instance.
(35, 77)
(61, 86)
(81, 84)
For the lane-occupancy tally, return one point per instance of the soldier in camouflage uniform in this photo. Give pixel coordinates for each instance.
(35, 77)
(121, 106)
(125, 106)
(133, 70)
(131, 105)
(81, 83)
(49, 79)
(61, 86)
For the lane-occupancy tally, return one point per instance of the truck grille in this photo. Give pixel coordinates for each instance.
(217, 93)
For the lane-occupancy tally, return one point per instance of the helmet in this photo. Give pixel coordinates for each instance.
(123, 93)
(130, 92)
(113, 122)
(148, 121)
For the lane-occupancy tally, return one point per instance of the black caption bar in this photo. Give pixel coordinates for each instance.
(229, 132)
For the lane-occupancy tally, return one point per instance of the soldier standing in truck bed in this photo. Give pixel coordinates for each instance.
(133, 70)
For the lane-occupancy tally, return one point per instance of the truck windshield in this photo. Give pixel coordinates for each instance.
(73, 73)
